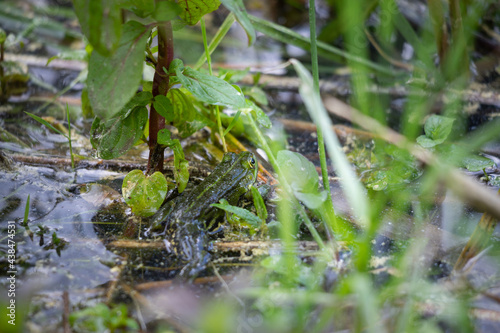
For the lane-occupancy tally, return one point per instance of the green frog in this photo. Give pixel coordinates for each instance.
(183, 219)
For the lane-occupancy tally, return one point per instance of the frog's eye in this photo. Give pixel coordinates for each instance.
(252, 161)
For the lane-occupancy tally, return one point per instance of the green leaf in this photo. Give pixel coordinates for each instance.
(112, 81)
(80, 55)
(44, 122)
(186, 118)
(101, 23)
(3, 36)
(259, 114)
(259, 204)
(166, 11)
(114, 137)
(164, 107)
(295, 164)
(477, 163)
(176, 65)
(141, 8)
(438, 128)
(234, 122)
(144, 194)
(181, 172)
(305, 187)
(246, 215)
(233, 75)
(426, 142)
(210, 89)
(256, 94)
(237, 7)
(193, 10)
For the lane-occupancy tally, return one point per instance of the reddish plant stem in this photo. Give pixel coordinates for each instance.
(160, 87)
(458, 38)
(437, 15)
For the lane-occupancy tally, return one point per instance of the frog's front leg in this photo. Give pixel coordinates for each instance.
(191, 246)
(158, 220)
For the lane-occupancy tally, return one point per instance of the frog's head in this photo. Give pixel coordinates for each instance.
(249, 163)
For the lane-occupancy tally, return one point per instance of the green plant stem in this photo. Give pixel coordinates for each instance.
(160, 87)
(486, 175)
(284, 184)
(436, 13)
(223, 29)
(2, 81)
(207, 53)
(321, 143)
(69, 139)
(209, 63)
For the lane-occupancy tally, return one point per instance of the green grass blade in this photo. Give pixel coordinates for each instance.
(353, 189)
(26, 211)
(44, 122)
(232, 123)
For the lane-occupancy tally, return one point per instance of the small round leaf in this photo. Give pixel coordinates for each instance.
(144, 194)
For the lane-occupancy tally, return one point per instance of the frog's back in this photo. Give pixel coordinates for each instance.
(229, 180)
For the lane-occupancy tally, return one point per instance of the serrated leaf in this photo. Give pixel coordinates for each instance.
(182, 107)
(166, 11)
(186, 118)
(237, 7)
(477, 163)
(193, 10)
(101, 23)
(144, 194)
(112, 81)
(438, 128)
(176, 65)
(164, 107)
(142, 98)
(141, 8)
(246, 215)
(114, 137)
(259, 114)
(210, 89)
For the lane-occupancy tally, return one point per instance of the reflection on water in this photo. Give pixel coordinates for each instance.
(53, 210)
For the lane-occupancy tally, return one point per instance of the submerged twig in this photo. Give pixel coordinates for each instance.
(195, 169)
(238, 246)
(65, 316)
